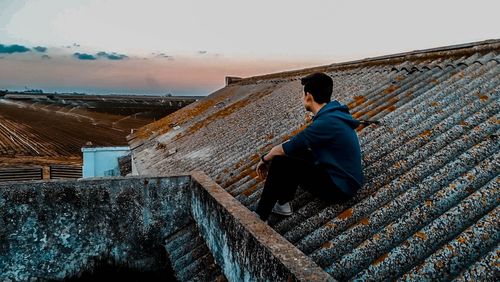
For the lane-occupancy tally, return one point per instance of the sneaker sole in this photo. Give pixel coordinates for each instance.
(283, 213)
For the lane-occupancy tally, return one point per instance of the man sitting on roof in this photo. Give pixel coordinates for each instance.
(324, 158)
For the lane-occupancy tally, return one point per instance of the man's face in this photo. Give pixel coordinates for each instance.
(307, 101)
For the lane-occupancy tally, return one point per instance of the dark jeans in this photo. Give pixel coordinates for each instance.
(285, 174)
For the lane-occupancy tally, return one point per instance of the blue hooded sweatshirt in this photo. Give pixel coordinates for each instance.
(334, 145)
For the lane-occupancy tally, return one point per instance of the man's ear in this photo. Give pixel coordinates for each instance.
(309, 97)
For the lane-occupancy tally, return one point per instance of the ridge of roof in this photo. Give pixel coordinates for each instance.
(444, 51)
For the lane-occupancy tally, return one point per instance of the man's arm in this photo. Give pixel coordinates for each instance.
(275, 151)
(262, 166)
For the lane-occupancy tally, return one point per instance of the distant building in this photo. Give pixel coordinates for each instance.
(102, 161)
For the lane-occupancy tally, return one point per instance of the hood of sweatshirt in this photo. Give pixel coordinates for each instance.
(339, 110)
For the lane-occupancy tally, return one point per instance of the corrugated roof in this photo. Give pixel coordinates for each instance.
(190, 257)
(429, 208)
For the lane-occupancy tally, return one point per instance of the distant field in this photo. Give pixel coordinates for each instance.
(41, 129)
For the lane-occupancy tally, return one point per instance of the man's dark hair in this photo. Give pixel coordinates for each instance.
(319, 85)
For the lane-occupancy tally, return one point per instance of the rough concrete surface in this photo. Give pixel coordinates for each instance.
(55, 230)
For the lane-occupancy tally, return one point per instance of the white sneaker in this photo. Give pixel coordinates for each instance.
(285, 209)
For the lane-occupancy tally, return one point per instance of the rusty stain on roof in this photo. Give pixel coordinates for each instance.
(421, 235)
(345, 214)
(364, 221)
(327, 245)
(380, 259)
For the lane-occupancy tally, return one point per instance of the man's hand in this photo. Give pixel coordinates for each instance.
(263, 167)
(262, 170)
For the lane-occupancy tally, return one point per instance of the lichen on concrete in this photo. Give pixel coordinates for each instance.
(57, 230)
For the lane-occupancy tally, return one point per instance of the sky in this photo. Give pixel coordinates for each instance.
(187, 47)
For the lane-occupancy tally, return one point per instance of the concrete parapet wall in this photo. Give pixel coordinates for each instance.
(55, 230)
(246, 248)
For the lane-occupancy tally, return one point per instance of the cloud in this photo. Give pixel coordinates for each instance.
(45, 57)
(83, 56)
(165, 56)
(112, 56)
(10, 49)
(100, 55)
(40, 49)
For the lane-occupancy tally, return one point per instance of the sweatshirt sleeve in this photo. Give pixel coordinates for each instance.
(314, 133)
